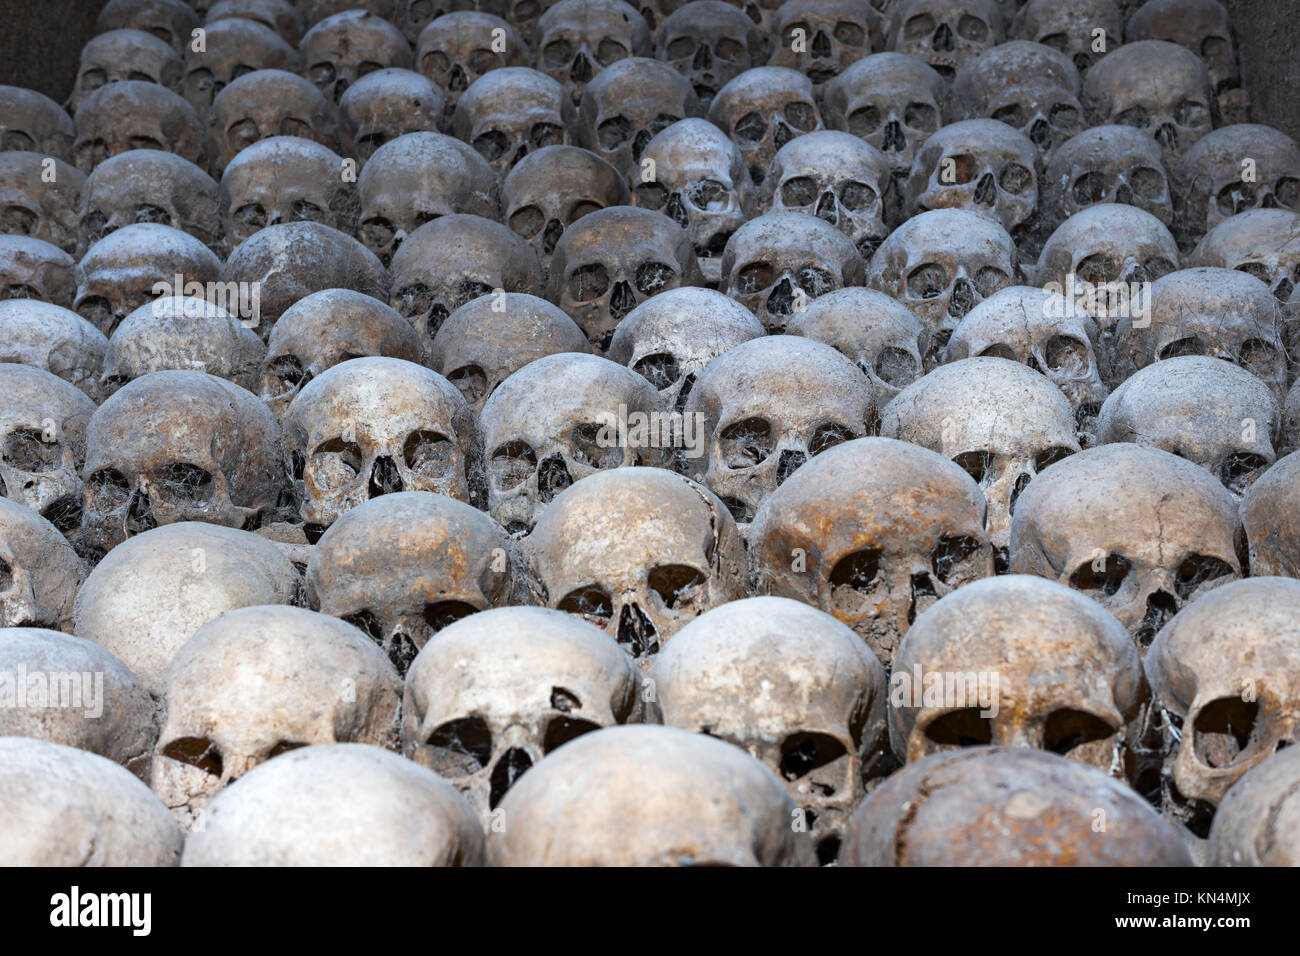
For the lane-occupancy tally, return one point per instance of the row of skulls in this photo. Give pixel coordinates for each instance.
(726, 383)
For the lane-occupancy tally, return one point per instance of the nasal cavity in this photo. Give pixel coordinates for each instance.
(1124, 194)
(554, 229)
(1040, 134)
(826, 208)
(788, 464)
(552, 478)
(1167, 136)
(622, 301)
(894, 141)
(781, 300)
(923, 595)
(943, 38)
(512, 765)
(139, 517)
(962, 299)
(384, 477)
(580, 72)
(636, 632)
(986, 192)
(821, 45)
(1161, 606)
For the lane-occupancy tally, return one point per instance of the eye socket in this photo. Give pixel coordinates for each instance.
(1012, 114)
(512, 464)
(1104, 581)
(1098, 269)
(183, 484)
(895, 366)
(1191, 113)
(93, 79)
(546, 134)
(335, 464)
(96, 310)
(583, 207)
(1157, 267)
(467, 290)
(652, 277)
(960, 728)
(1223, 730)
(414, 300)
(1135, 116)
(828, 435)
(754, 277)
(1198, 570)
(651, 196)
(802, 116)
(480, 61)
(1064, 117)
(300, 210)
(613, 133)
(1089, 188)
(919, 26)
(728, 50)
(491, 145)
(1050, 456)
(557, 53)
(107, 490)
(459, 748)
(196, 752)
(609, 51)
(1261, 357)
(853, 579)
(589, 448)
(1287, 192)
(588, 282)
(952, 557)
(751, 127)
(1067, 354)
(973, 28)
(856, 196)
(977, 464)
(241, 134)
(322, 74)
(676, 584)
(561, 730)
(746, 443)
(681, 48)
(660, 370)
(957, 170)
(291, 126)
(27, 450)
(927, 281)
(1256, 269)
(849, 32)
(1066, 729)
(376, 232)
(799, 191)
(865, 121)
(429, 454)
(283, 374)
(1016, 179)
(1239, 470)
(591, 603)
(440, 614)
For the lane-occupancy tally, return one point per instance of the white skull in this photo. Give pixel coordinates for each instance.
(1262, 242)
(39, 572)
(1106, 164)
(946, 34)
(35, 269)
(54, 339)
(1255, 824)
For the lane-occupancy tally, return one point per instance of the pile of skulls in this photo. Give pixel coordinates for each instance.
(691, 433)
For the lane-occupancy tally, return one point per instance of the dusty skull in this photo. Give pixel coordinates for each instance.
(373, 569)
(1106, 164)
(1256, 825)
(763, 109)
(35, 269)
(384, 105)
(579, 38)
(414, 15)
(1224, 674)
(212, 455)
(1165, 405)
(1002, 422)
(820, 39)
(257, 682)
(457, 48)
(124, 55)
(285, 179)
(134, 114)
(39, 572)
(171, 21)
(267, 103)
(1203, 27)
(454, 259)
(629, 103)
(1261, 242)
(777, 263)
(148, 185)
(1270, 520)
(819, 721)
(490, 696)
(52, 338)
(35, 123)
(873, 532)
(323, 329)
(1070, 27)
(314, 11)
(1139, 530)
(280, 16)
(670, 338)
(555, 421)
(233, 48)
(416, 178)
(709, 42)
(342, 48)
(30, 206)
(373, 426)
(941, 264)
(488, 339)
(508, 113)
(946, 34)
(612, 260)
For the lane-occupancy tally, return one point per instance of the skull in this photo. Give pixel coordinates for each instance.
(384, 105)
(490, 338)
(627, 105)
(1262, 242)
(490, 696)
(338, 805)
(147, 185)
(941, 264)
(268, 103)
(39, 571)
(233, 48)
(670, 338)
(118, 273)
(1001, 422)
(1106, 164)
(763, 109)
(1070, 27)
(417, 178)
(35, 269)
(457, 48)
(554, 422)
(285, 179)
(820, 38)
(29, 206)
(509, 112)
(341, 49)
(1164, 405)
(644, 796)
(34, 123)
(257, 682)
(454, 259)
(836, 177)
(212, 454)
(1154, 86)
(171, 21)
(579, 38)
(415, 15)
(1203, 27)
(148, 596)
(547, 191)
(133, 114)
(776, 264)
(373, 569)
(314, 11)
(279, 16)
(1225, 675)
(1138, 530)
(324, 329)
(1255, 823)
(612, 260)
(1043, 330)
(701, 182)
(290, 261)
(54, 339)
(66, 807)
(124, 55)
(709, 42)
(1269, 517)
(943, 811)
(376, 425)
(177, 332)
(946, 34)
(873, 532)
(819, 721)
(1214, 187)
(114, 717)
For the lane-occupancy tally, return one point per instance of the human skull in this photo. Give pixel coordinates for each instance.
(34, 123)
(171, 21)
(491, 695)
(342, 48)
(285, 179)
(1106, 164)
(258, 682)
(233, 48)
(134, 114)
(280, 16)
(39, 571)
(1070, 27)
(35, 269)
(820, 39)
(819, 721)
(508, 113)
(612, 260)
(763, 109)
(54, 339)
(709, 42)
(124, 55)
(314, 11)
(454, 259)
(873, 532)
(212, 454)
(579, 38)
(1269, 519)
(1139, 530)
(372, 568)
(490, 338)
(457, 48)
(384, 105)
(267, 103)
(416, 178)
(946, 34)
(148, 185)
(1255, 823)
(627, 105)
(30, 206)
(1262, 242)
(414, 15)
(1203, 27)
(777, 263)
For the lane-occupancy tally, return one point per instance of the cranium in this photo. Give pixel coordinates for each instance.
(579, 38)
(52, 338)
(342, 48)
(134, 114)
(763, 109)
(233, 47)
(1262, 242)
(1255, 824)
(267, 103)
(1270, 520)
(1203, 27)
(709, 42)
(507, 113)
(35, 269)
(1106, 164)
(39, 571)
(384, 105)
(285, 179)
(171, 21)
(30, 206)
(946, 34)
(314, 11)
(280, 16)
(820, 39)
(1070, 27)
(124, 55)
(34, 123)
(457, 48)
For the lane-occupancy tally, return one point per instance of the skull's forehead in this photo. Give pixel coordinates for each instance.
(953, 237)
(334, 322)
(688, 321)
(989, 139)
(763, 87)
(636, 87)
(791, 239)
(279, 162)
(1215, 298)
(352, 36)
(558, 176)
(507, 92)
(1181, 21)
(693, 149)
(265, 96)
(1111, 228)
(857, 321)
(41, 333)
(146, 176)
(1024, 314)
(529, 328)
(1216, 157)
(33, 113)
(623, 235)
(829, 155)
(1151, 73)
(127, 48)
(593, 20)
(34, 396)
(885, 77)
(451, 247)
(149, 248)
(1255, 234)
(1016, 65)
